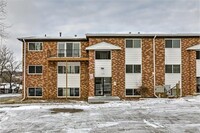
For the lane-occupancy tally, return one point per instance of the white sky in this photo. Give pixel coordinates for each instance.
(39, 17)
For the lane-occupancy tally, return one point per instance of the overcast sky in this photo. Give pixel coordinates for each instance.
(40, 17)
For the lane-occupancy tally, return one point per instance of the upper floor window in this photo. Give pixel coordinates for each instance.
(172, 68)
(35, 46)
(102, 54)
(198, 54)
(68, 49)
(35, 69)
(133, 43)
(133, 68)
(172, 43)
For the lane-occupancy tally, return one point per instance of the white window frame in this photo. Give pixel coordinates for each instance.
(102, 51)
(134, 68)
(133, 42)
(61, 96)
(172, 42)
(35, 50)
(63, 69)
(35, 73)
(133, 92)
(173, 68)
(35, 90)
(74, 96)
(65, 49)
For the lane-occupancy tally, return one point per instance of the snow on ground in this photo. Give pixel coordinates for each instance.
(10, 95)
(144, 116)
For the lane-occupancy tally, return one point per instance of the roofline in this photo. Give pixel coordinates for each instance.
(142, 35)
(51, 39)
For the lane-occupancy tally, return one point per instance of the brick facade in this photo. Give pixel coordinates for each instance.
(48, 80)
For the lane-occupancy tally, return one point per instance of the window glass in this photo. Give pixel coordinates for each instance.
(61, 49)
(102, 54)
(129, 68)
(168, 68)
(31, 69)
(129, 43)
(176, 43)
(198, 54)
(168, 43)
(137, 43)
(38, 69)
(38, 91)
(129, 91)
(31, 92)
(76, 93)
(137, 68)
(76, 69)
(60, 91)
(69, 49)
(31, 46)
(136, 91)
(176, 68)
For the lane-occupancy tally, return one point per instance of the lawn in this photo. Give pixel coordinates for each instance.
(143, 116)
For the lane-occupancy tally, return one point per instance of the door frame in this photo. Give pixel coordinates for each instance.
(102, 86)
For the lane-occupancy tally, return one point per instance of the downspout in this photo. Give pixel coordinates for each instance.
(154, 66)
(24, 70)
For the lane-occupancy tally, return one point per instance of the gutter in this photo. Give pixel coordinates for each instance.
(24, 70)
(154, 66)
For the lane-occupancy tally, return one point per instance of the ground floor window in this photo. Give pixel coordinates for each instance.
(132, 92)
(61, 91)
(35, 92)
(198, 84)
(73, 92)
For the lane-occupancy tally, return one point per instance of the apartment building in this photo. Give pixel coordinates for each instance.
(110, 65)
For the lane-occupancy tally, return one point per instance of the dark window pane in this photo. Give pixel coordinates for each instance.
(176, 43)
(136, 91)
(38, 46)
(76, 92)
(61, 49)
(198, 54)
(31, 46)
(76, 50)
(31, 92)
(137, 68)
(176, 68)
(69, 49)
(60, 91)
(198, 84)
(137, 43)
(168, 68)
(129, 43)
(102, 54)
(60, 69)
(168, 43)
(76, 69)
(38, 91)
(129, 91)
(31, 69)
(38, 69)
(129, 68)
(71, 91)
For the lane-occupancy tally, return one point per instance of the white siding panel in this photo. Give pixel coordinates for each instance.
(133, 80)
(73, 80)
(172, 79)
(61, 80)
(198, 68)
(106, 72)
(172, 56)
(133, 56)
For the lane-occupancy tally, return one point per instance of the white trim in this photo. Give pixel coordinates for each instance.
(172, 42)
(103, 46)
(195, 47)
(141, 44)
(34, 73)
(35, 50)
(34, 96)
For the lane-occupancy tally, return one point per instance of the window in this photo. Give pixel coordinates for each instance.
(61, 69)
(172, 43)
(73, 69)
(61, 91)
(35, 92)
(133, 43)
(172, 68)
(102, 54)
(35, 46)
(133, 68)
(131, 92)
(73, 92)
(197, 54)
(35, 70)
(68, 49)
(198, 84)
